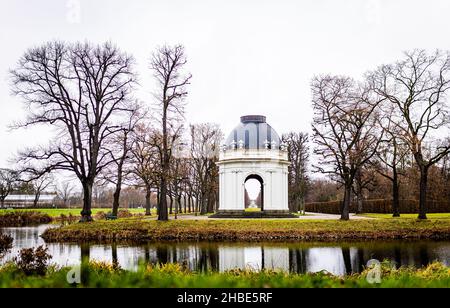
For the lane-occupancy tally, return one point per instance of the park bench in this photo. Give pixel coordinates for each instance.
(110, 216)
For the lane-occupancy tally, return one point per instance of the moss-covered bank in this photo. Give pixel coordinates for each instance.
(144, 230)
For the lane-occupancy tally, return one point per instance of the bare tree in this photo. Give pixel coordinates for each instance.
(8, 180)
(417, 86)
(205, 144)
(120, 169)
(344, 130)
(81, 90)
(64, 191)
(298, 151)
(168, 65)
(40, 185)
(391, 155)
(364, 181)
(145, 160)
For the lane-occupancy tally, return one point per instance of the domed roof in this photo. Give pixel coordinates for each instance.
(253, 133)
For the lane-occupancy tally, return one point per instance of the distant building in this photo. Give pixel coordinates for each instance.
(24, 201)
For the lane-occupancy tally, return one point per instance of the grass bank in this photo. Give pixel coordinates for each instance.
(23, 218)
(142, 230)
(100, 275)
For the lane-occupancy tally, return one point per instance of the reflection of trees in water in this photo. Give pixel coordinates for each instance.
(347, 260)
(115, 259)
(424, 255)
(361, 262)
(297, 261)
(350, 258)
(208, 258)
(397, 256)
(162, 254)
(85, 250)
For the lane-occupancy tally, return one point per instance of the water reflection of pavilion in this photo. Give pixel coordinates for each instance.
(336, 258)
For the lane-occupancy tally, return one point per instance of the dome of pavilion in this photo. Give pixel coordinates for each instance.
(253, 133)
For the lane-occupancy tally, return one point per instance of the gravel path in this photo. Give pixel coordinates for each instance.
(309, 216)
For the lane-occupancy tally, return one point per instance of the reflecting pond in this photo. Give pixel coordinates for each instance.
(301, 257)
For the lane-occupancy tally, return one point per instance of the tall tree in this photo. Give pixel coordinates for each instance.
(391, 156)
(418, 87)
(205, 144)
(120, 169)
(81, 90)
(168, 65)
(298, 152)
(344, 130)
(145, 160)
(8, 179)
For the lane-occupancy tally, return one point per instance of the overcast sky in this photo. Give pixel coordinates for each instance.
(247, 57)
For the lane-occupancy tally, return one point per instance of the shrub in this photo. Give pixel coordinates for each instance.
(100, 215)
(68, 220)
(33, 261)
(24, 218)
(5, 243)
(124, 214)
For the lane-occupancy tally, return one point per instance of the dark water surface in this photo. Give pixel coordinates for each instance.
(338, 258)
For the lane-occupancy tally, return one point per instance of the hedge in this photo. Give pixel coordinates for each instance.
(382, 206)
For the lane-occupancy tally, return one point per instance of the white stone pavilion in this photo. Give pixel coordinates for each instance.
(253, 150)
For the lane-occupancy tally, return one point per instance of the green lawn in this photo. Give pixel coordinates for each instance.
(75, 212)
(407, 216)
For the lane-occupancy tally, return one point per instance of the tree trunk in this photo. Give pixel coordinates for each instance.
(116, 196)
(171, 203)
(158, 198)
(210, 204)
(423, 193)
(359, 197)
(345, 208)
(116, 199)
(203, 204)
(302, 206)
(297, 204)
(190, 204)
(180, 208)
(36, 199)
(359, 201)
(148, 201)
(395, 195)
(196, 204)
(163, 214)
(86, 213)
